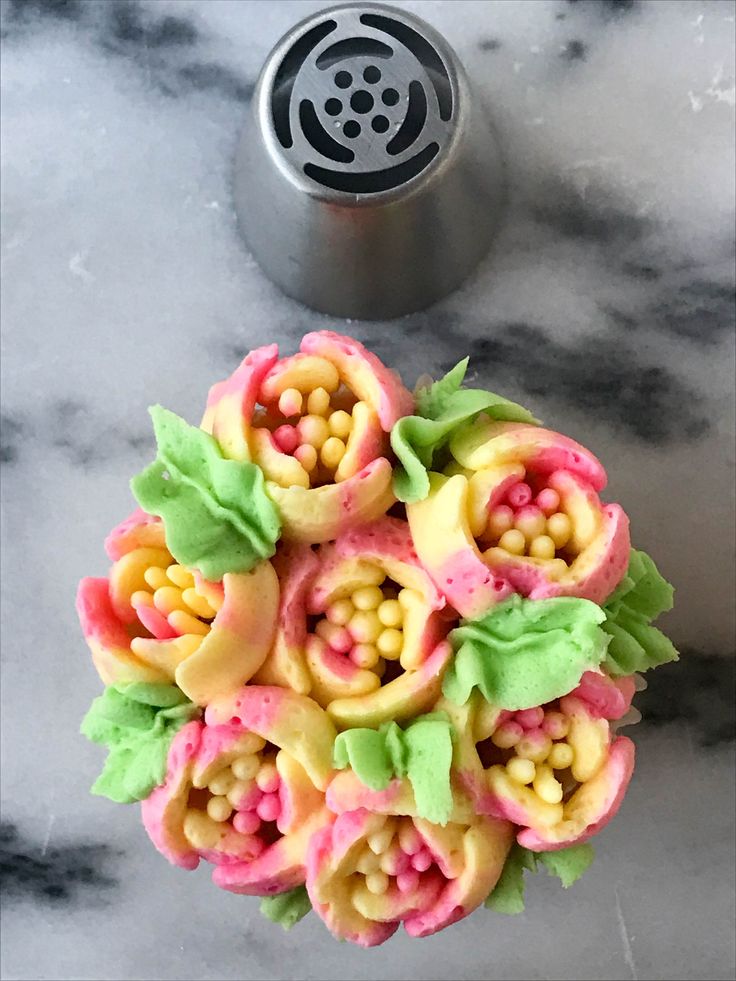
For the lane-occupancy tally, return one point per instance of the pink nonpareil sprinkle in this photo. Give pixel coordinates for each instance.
(246, 822)
(422, 860)
(407, 881)
(269, 807)
(341, 641)
(530, 718)
(286, 438)
(548, 501)
(519, 495)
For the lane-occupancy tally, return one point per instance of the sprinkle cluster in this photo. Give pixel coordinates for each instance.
(168, 604)
(367, 625)
(528, 525)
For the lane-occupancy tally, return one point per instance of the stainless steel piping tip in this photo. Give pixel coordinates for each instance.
(368, 181)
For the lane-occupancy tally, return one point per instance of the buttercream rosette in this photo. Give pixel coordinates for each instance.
(317, 423)
(373, 870)
(517, 510)
(360, 626)
(368, 652)
(244, 790)
(557, 771)
(154, 620)
(383, 863)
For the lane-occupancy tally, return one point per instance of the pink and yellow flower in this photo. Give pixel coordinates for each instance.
(361, 627)
(555, 770)
(317, 424)
(154, 620)
(380, 864)
(245, 790)
(518, 511)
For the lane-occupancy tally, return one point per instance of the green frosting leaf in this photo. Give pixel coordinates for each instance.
(114, 711)
(568, 864)
(442, 407)
(287, 908)
(216, 512)
(524, 653)
(640, 597)
(422, 752)
(160, 696)
(366, 752)
(434, 399)
(137, 723)
(508, 894)
(428, 742)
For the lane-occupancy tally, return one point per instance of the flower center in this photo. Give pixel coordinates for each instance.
(313, 426)
(238, 808)
(533, 746)
(527, 525)
(394, 856)
(367, 625)
(170, 604)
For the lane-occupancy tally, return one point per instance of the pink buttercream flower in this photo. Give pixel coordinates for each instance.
(374, 869)
(361, 626)
(555, 770)
(317, 424)
(518, 511)
(154, 620)
(245, 791)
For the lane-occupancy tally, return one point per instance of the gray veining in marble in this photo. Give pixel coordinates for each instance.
(607, 306)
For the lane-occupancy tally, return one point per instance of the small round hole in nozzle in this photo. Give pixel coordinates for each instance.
(361, 101)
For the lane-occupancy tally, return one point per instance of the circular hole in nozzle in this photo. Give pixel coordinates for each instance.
(361, 101)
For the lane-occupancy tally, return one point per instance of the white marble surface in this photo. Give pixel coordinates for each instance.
(607, 306)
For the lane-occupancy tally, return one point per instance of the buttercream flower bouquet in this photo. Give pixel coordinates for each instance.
(367, 652)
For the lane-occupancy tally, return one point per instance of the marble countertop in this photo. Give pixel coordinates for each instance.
(607, 305)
